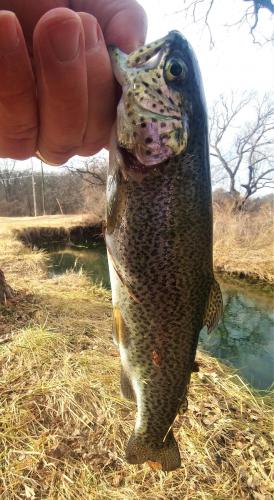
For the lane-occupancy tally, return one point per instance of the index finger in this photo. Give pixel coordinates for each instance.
(123, 22)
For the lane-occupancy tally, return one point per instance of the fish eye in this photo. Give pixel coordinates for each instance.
(175, 68)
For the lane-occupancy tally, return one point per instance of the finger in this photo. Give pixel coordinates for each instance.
(18, 116)
(62, 86)
(101, 88)
(123, 22)
(29, 12)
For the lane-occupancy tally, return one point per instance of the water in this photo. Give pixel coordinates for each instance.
(245, 336)
(92, 260)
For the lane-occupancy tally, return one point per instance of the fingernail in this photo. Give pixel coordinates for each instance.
(9, 39)
(92, 32)
(65, 39)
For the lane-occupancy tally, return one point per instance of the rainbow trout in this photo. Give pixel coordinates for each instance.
(159, 237)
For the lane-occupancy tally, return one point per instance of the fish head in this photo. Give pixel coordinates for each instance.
(160, 82)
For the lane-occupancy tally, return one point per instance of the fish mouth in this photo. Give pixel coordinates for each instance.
(134, 164)
(149, 143)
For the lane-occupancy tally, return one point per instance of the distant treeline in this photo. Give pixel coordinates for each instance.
(79, 191)
(65, 193)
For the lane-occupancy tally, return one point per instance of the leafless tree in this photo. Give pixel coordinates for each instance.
(92, 170)
(201, 10)
(241, 149)
(7, 176)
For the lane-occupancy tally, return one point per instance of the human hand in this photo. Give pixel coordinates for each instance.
(57, 92)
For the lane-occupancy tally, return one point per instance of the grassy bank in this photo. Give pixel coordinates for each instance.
(63, 424)
(244, 245)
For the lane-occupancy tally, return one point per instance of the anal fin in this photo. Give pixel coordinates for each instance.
(214, 307)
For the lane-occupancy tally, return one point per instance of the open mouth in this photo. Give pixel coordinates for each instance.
(132, 163)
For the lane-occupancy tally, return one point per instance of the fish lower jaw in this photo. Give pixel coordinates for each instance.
(134, 164)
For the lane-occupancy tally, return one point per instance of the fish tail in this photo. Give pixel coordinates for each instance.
(167, 457)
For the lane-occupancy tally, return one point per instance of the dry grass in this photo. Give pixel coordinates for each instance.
(65, 221)
(64, 426)
(244, 244)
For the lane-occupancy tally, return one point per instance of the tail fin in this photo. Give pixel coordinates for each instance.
(168, 456)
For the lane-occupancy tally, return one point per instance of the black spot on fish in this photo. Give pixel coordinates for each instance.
(143, 124)
(163, 124)
(159, 91)
(148, 140)
(145, 83)
(148, 152)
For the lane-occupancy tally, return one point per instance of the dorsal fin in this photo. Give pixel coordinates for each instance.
(214, 307)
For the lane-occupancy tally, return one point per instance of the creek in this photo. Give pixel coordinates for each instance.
(244, 338)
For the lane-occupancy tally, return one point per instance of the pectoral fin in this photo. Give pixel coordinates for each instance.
(119, 328)
(214, 307)
(126, 387)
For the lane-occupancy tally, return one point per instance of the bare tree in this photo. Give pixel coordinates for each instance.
(241, 150)
(92, 170)
(7, 175)
(201, 10)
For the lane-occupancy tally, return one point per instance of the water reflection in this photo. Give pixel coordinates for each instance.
(92, 260)
(244, 338)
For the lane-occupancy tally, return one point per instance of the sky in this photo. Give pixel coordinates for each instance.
(233, 63)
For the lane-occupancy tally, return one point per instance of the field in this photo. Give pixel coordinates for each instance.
(63, 423)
